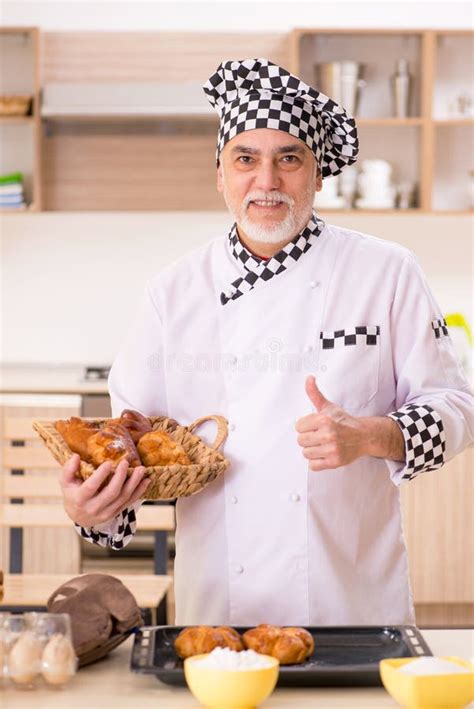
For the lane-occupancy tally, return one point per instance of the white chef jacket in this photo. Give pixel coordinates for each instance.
(271, 541)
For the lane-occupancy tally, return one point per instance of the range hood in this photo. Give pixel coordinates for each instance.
(124, 99)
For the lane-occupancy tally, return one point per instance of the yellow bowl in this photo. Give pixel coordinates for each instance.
(450, 691)
(230, 689)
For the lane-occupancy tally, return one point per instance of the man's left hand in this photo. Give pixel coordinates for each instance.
(330, 437)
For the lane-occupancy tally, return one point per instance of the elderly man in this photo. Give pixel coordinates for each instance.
(327, 353)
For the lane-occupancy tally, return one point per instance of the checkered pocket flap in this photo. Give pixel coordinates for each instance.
(349, 365)
(359, 335)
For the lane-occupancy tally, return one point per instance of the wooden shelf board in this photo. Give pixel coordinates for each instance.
(18, 30)
(17, 119)
(453, 121)
(357, 31)
(413, 211)
(453, 32)
(453, 212)
(127, 115)
(398, 212)
(390, 121)
(19, 210)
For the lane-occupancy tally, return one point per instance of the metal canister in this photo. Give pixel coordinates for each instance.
(341, 81)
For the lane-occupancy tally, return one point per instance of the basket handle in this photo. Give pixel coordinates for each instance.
(222, 429)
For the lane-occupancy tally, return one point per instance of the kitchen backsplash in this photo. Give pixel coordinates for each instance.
(71, 282)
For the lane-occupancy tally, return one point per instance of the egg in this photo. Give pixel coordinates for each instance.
(24, 658)
(58, 662)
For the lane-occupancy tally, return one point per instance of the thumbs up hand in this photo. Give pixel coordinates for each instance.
(330, 437)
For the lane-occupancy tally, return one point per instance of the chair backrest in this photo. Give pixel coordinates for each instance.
(159, 518)
(30, 504)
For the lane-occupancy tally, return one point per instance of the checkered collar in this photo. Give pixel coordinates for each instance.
(258, 270)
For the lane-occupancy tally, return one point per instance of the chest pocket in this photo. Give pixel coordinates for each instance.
(349, 365)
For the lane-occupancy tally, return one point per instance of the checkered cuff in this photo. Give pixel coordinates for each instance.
(127, 526)
(425, 440)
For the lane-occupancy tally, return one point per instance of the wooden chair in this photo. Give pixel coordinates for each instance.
(30, 504)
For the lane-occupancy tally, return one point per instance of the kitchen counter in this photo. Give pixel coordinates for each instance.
(110, 683)
(41, 379)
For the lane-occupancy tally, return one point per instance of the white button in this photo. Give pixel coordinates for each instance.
(295, 497)
(232, 427)
(323, 368)
(229, 293)
(314, 284)
(239, 569)
(234, 500)
(307, 348)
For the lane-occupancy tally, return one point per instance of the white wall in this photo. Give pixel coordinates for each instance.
(266, 16)
(70, 282)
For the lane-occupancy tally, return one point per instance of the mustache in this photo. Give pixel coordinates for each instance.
(274, 195)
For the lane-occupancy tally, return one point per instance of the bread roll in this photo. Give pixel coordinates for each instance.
(112, 443)
(202, 639)
(290, 646)
(76, 432)
(158, 448)
(135, 423)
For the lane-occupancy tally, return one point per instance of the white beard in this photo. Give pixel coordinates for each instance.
(275, 234)
(284, 230)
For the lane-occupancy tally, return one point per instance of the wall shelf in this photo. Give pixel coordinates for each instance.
(126, 126)
(437, 155)
(21, 150)
(390, 122)
(17, 119)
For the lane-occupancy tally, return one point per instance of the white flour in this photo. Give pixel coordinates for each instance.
(224, 659)
(432, 666)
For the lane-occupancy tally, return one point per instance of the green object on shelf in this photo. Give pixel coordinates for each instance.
(458, 320)
(11, 179)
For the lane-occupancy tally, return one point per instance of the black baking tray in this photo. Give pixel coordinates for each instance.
(343, 655)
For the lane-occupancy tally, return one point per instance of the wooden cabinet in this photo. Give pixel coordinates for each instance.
(132, 160)
(438, 510)
(20, 135)
(432, 148)
(139, 160)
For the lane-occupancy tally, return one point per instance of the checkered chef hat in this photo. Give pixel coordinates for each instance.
(255, 93)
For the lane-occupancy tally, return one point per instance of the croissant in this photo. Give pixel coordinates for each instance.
(158, 448)
(202, 639)
(135, 423)
(113, 443)
(289, 645)
(76, 432)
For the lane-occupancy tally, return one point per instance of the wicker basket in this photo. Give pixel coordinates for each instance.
(167, 481)
(15, 105)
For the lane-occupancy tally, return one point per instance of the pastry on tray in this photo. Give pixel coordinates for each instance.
(203, 638)
(290, 646)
